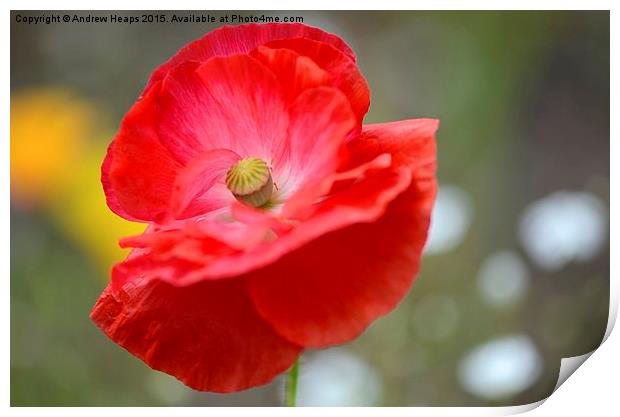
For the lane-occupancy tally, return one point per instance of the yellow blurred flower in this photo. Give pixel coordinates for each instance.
(55, 166)
(82, 212)
(48, 131)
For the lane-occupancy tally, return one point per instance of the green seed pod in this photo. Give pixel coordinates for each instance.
(250, 181)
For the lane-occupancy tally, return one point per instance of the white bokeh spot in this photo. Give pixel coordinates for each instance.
(337, 377)
(501, 368)
(503, 278)
(563, 227)
(451, 218)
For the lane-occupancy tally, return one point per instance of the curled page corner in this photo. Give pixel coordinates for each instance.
(520, 409)
(568, 366)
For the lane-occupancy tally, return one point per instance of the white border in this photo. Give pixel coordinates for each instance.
(314, 5)
(591, 390)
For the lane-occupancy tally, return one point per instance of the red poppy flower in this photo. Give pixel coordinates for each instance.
(277, 221)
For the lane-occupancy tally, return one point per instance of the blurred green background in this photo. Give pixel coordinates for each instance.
(515, 274)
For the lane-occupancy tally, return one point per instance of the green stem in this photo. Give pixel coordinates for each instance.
(291, 385)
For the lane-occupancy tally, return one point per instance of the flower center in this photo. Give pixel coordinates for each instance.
(250, 181)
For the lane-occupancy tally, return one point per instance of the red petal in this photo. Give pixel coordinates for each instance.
(241, 39)
(294, 72)
(177, 256)
(328, 291)
(320, 119)
(191, 194)
(302, 203)
(235, 235)
(410, 142)
(229, 103)
(138, 173)
(207, 335)
(343, 72)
